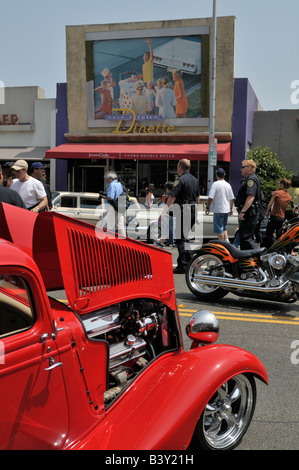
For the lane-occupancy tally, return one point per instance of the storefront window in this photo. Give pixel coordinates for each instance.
(126, 172)
(87, 175)
(152, 172)
(136, 175)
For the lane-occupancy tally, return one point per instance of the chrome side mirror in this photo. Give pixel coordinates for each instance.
(202, 328)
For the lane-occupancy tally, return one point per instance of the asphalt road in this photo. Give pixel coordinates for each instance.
(270, 330)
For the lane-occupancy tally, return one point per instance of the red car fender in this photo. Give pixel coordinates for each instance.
(160, 409)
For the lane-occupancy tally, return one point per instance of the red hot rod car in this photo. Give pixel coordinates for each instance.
(108, 370)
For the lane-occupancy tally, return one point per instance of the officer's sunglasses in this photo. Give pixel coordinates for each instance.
(244, 166)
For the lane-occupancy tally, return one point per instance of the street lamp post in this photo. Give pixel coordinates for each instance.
(212, 159)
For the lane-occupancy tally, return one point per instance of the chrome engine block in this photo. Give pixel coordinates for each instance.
(135, 334)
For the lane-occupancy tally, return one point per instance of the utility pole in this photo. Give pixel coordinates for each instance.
(212, 159)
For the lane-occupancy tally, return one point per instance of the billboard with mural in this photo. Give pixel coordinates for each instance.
(153, 82)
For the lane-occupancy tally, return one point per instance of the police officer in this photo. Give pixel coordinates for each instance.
(247, 204)
(185, 193)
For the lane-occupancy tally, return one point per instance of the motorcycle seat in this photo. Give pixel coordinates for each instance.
(238, 254)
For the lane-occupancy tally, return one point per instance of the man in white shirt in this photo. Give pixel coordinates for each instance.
(30, 189)
(220, 201)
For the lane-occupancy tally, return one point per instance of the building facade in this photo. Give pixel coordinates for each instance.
(279, 130)
(246, 105)
(27, 127)
(105, 122)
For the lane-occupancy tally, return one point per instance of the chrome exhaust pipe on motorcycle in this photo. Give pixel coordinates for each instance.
(238, 283)
(218, 279)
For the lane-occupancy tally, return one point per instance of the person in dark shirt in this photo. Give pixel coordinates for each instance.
(38, 172)
(8, 195)
(277, 207)
(247, 204)
(185, 193)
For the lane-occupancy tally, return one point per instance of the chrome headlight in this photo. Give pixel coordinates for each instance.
(202, 328)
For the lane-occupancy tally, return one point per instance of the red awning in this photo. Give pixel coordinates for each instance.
(145, 151)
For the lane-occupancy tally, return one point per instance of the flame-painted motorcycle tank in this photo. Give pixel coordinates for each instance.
(291, 236)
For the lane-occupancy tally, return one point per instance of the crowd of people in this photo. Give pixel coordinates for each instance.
(28, 191)
(31, 192)
(249, 202)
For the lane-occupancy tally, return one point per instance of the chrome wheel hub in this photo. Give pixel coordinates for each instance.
(228, 413)
(204, 265)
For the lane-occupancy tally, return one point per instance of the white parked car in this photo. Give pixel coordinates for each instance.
(142, 223)
(86, 206)
(81, 206)
(144, 226)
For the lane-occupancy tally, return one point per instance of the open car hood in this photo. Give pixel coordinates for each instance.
(94, 267)
(16, 226)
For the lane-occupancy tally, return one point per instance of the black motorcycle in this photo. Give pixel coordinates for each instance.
(219, 268)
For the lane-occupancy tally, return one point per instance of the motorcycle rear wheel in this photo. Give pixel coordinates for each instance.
(198, 265)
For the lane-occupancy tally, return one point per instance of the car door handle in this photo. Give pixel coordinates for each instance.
(54, 334)
(53, 364)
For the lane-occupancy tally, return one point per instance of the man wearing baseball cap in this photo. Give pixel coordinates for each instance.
(38, 171)
(30, 189)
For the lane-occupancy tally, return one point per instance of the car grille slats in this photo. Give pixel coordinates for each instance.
(105, 263)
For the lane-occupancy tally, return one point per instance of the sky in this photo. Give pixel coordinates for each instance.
(33, 50)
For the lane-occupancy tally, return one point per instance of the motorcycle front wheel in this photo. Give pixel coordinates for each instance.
(205, 264)
(227, 415)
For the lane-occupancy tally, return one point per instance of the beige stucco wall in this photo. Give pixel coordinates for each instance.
(37, 118)
(76, 70)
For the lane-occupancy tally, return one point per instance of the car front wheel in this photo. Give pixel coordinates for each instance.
(227, 415)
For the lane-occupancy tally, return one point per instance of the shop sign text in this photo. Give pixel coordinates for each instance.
(140, 124)
(9, 119)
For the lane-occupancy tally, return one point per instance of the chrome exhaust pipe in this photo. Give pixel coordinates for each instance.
(237, 283)
(224, 280)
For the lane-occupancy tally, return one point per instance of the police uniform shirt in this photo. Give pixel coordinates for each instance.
(248, 187)
(185, 189)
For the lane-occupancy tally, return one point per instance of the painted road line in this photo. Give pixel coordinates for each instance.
(258, 315)
(236, 316)
(247, 317)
